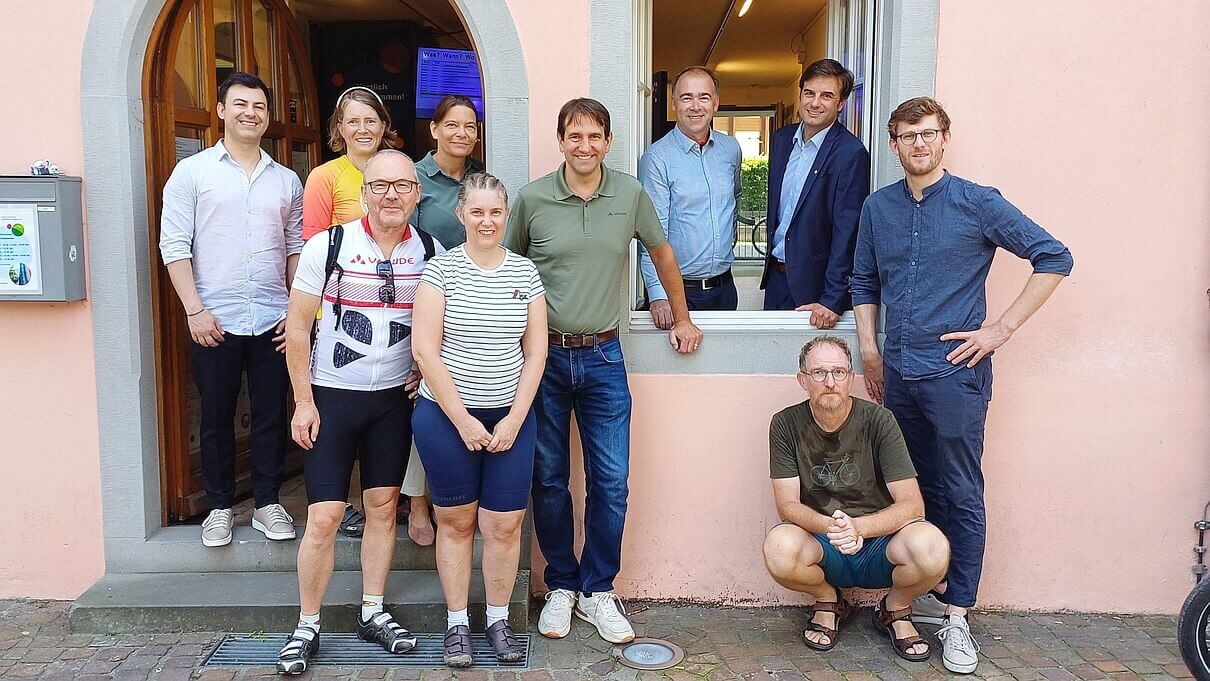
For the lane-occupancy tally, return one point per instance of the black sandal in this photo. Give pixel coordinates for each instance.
(887, 618)
(838, 608)
(458, 647)
(506, 645)
(353, 524)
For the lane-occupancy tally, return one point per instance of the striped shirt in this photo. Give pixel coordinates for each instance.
(486, 312)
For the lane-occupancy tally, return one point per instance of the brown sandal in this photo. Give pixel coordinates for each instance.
(901, 645)
(839, 608)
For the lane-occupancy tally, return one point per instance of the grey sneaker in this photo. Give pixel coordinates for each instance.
(273, 521)
(960, 652)
(216, 528)
(928, 609)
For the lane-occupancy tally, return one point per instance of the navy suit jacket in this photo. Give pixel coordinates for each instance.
(823, 230)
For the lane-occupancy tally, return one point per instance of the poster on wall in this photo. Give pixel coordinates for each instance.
(441, 72)
(20, 262)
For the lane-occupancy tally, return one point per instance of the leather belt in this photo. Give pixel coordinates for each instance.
(707, 284)
(781, 266)
(576, 340)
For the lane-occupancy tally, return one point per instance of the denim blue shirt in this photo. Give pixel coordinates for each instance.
(695, 190)
(802, 158)
(928, 261)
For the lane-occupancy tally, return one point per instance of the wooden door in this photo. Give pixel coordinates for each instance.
(195, 45)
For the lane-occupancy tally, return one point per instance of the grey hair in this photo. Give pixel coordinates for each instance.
(823, 340)
(481, 181)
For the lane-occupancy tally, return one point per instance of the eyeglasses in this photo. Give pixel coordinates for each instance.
(820, 375)
(386, 294)
(909, 138)
(401, 186)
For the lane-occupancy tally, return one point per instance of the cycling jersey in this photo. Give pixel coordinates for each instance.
(370, 347)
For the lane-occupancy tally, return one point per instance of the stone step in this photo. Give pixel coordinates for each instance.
(179, 549)
(267, 602)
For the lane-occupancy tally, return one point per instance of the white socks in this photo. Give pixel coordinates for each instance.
(308, 621)
(454, 618)
(370, 606)
(495, 613)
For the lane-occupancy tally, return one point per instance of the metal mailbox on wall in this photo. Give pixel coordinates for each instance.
(41, 239)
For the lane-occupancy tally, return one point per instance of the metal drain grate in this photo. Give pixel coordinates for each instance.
(346, 650)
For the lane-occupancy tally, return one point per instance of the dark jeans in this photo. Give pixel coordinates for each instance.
(591, 382)
(723, 297)
(942, 421)
(218, 373)
(777, 291)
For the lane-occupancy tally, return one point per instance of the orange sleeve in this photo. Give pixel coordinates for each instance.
(317, 202)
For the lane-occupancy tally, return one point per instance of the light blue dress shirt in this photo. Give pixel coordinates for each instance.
(802, 157)
(695, 190)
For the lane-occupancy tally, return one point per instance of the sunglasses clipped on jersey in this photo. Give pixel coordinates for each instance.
(386, 292)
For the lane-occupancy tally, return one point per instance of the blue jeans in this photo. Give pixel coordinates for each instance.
(942, 421)
(591, 382)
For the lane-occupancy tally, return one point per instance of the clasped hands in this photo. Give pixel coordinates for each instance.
(843, 534)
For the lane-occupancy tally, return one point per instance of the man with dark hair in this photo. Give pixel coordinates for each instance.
(576, 225)
(692, 175)
(924, 249)
(819, 174)
(851, 510)
(230, 235)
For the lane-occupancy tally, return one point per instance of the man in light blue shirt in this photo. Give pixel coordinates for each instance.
(692, 177)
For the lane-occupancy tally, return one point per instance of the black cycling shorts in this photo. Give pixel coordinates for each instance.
(372, 426)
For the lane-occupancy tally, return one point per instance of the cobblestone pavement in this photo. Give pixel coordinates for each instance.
(719, 643)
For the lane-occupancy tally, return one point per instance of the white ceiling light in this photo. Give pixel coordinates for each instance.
(743, 9)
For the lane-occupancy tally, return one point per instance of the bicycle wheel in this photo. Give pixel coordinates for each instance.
(1191, 631)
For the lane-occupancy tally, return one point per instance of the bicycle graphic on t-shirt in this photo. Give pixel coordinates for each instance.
(841, 471)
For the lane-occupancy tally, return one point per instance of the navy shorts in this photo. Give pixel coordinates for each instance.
(370, 426)
(499, 481)
(869, 568)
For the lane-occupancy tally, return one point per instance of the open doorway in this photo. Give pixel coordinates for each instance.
(758, 49)
(307, 52)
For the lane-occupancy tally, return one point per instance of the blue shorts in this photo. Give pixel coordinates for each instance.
(499, 481)
(869, 568)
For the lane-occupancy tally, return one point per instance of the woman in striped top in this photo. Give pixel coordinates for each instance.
(479, 337)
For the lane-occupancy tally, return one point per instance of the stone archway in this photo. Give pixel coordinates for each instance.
(121, 257)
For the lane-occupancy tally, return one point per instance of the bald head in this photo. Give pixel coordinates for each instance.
(391, 190)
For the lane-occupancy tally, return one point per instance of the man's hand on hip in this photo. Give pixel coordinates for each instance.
(661, 314)
(978, 344)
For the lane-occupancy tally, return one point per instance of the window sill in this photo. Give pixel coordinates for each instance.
(749, 342)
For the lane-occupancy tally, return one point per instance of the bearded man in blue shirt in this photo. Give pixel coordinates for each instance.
(924, 248)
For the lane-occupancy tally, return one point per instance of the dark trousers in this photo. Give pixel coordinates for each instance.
(942, 421)
(218, 372)
(723, 297)
(591, 382)
(777, 291)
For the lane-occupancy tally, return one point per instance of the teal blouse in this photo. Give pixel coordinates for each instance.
(435, 213)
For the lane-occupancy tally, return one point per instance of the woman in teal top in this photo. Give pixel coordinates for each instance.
(456, 129)
(455, 126)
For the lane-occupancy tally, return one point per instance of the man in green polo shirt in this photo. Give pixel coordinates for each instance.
(576, 225)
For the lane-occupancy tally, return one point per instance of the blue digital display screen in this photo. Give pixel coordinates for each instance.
(441, 72)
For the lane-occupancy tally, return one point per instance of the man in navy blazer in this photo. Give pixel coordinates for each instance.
(819, 175)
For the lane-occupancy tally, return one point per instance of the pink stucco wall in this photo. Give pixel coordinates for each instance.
(50, 540)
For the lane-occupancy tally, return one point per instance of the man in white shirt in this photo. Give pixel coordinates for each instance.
(230, 235)
(351, 392)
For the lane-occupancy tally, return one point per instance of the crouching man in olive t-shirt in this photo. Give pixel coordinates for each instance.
(851, 509)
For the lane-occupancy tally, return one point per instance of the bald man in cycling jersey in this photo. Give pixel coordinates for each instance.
(350, 391)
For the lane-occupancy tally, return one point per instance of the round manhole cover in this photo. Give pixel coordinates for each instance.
(651, 653)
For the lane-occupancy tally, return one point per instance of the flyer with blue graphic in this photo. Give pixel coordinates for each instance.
(20, 264)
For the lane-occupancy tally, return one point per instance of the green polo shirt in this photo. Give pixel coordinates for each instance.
(439, 196)
(582, 247)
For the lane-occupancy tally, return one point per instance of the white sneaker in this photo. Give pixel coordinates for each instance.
(604, 610)
(555, 620)
(273, 521)
(960, 653)
(928, 609)
(216, 528)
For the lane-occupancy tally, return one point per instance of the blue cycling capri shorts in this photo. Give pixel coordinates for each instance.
(499, 481)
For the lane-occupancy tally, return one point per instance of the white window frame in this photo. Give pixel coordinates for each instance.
(639, 321)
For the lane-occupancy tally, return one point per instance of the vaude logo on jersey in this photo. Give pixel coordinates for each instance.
(359, 259)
